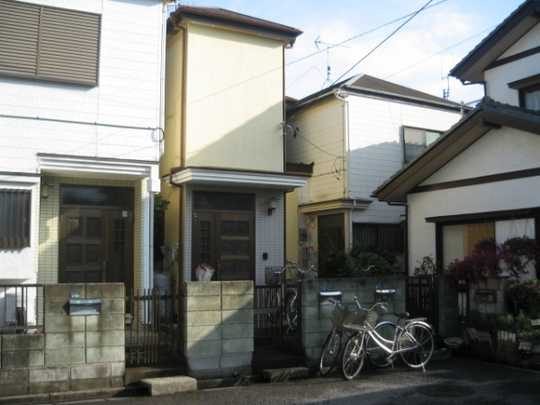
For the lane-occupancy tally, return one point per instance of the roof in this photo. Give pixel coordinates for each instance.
(507, 33)
(234, 19)
(488, 115)
(370, 85)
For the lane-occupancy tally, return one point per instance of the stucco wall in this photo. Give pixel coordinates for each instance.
(234, 100)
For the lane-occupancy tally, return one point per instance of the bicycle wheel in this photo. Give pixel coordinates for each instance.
(353, 356)
(417, 341)
(377, 356)
(330, 353)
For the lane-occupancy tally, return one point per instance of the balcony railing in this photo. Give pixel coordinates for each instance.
(21, 308)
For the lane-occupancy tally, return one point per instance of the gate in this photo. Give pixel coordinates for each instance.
(422, 298)
(277, 313)
(152, 327)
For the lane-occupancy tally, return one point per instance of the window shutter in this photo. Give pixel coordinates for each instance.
(14, 219)
(19, 23)
(68, 45)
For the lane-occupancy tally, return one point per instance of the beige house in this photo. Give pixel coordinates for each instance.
(224, 173)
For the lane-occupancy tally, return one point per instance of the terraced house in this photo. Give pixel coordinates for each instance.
(224, 170)
(81, 111)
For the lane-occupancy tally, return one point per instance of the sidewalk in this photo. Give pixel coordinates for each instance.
(456, 381)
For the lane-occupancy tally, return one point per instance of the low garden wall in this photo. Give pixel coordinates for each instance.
(317, 315)
(73, 352)
(218, 323)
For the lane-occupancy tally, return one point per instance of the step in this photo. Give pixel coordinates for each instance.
(285, 374)
(169, 385)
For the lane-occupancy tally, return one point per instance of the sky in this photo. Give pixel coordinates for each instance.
(420, 55)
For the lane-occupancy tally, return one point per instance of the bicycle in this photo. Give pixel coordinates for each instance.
(333, 342)
(412, 340)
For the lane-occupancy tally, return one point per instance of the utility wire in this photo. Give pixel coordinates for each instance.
(384, 40)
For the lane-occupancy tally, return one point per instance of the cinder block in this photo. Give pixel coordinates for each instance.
(205, 332)
(22, 342)
(105, 322)
(46, 375)
(117, 381)
(203, 318)
(169, 385)
(313, 325)
(105, 338)
(113, 306)
(47, 387)
(118, 369)
(314, 339)
(105, 290)
(238, 316)
(231, 331)
(241, 287)
(205, 348)
(105, 354)
(63, 323)
(236, 360)
(89, 384)
(13, 389)
(190, 288)
(64, 340)
(237, 302)
(23, 359)
(64, 357)
(237, 345)
(89, 371)
(202, 303)
(13, 377)
(62, 292)
(203, 366)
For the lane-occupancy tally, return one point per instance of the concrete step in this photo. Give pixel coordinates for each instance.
(285, 374)
(169, 385)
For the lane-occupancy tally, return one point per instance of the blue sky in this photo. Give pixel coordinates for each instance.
(417, 56)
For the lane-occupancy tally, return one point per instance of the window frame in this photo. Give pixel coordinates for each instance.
(378, 225)
(49, 79)
(523, 92)
(403, 128)
(19, 242)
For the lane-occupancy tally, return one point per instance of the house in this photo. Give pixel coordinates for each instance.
(81, 118)
(224, 173)
(356, 133)
(480, 180)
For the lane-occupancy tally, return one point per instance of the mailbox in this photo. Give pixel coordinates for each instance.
(324, 296)
(384, 294)
(84, 306)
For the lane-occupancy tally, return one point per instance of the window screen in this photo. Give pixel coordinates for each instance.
(14, 218)
(48, 43)
(378, 237)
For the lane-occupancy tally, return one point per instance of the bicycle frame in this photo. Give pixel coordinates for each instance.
(384, 343)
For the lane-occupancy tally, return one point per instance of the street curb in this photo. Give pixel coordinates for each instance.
(71, 395)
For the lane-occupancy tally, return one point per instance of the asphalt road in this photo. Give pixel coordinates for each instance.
(455, 381)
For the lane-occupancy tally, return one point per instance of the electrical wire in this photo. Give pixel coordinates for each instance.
(394, 32)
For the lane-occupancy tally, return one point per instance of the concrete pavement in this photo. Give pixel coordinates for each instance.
(455, 381)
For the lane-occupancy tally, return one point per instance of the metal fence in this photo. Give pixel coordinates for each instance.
(153, 332)
(21, 308)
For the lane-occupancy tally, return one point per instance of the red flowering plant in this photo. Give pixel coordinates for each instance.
(481, 264)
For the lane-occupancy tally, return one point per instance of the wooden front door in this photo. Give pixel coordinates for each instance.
(95, 245)
(224, 239)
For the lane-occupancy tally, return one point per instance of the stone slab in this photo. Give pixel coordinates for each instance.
(105, 322)
(237, 302)
(202, 303)
(64, 340)
(169, 385)
(47, 375)
(23, 359)
(237, 287)
(105, 290)
(89, 371)
(22, 342)
(64, 357)
(203, 318)
(105, 354)
(200, 288)
(105, 338)
(63, 323)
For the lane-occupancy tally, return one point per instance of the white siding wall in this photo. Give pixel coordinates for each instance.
(497, 79)
(128, 94)
(376, 151)
(487, 156)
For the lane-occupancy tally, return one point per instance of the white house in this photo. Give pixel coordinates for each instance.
(481, 179)
(357, 134)
(81, 118)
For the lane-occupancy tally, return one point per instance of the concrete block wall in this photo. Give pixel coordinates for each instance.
(74, 352)
(217, 327)
(317, 315)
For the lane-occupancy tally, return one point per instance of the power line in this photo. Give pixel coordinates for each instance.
(384, 40)
(413, 65)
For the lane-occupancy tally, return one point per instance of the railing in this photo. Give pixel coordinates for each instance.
(268, 311)
(153, 332)
(21, 308)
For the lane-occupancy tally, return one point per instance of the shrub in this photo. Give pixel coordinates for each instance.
(524, 297)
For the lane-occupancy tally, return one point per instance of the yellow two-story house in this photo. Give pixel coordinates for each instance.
(223, 170)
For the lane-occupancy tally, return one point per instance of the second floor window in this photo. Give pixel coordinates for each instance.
(49, 43)
(416, 140)
(530, 97)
